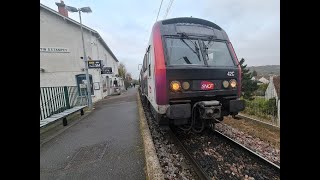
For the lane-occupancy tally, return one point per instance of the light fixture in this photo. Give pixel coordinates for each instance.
(225, 84)
(233, 83)
(185, 85)
(175, 85)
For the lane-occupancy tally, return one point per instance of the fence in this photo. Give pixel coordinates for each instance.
(54, 100)
(267, 110)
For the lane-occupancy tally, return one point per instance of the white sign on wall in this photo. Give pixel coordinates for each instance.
(54, 50)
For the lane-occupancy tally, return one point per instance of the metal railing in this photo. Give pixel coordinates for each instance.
(54, 100)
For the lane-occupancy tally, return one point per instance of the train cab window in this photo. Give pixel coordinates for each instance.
(218, 54)
(183, 52)
(144, 63)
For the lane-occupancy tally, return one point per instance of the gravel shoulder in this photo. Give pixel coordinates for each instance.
(265, 133)
(260, 138)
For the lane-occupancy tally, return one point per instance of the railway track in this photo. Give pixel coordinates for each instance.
(211, 155)
(199, 171)
(209, 161)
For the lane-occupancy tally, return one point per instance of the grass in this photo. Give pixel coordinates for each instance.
(260, 108)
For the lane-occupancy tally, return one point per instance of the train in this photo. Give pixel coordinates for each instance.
(190, 75)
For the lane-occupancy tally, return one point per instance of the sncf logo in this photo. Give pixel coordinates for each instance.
(230, 73)
(206, 85)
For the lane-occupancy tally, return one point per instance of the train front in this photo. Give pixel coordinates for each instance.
(202, 73)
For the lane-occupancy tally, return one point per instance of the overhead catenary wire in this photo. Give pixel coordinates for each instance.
(168, 9)
(159, 10)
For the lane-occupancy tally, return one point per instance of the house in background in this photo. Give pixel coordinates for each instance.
(273, 89)
(260, 79)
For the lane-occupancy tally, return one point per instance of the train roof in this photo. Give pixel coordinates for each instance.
(201, 27)
(191, 20)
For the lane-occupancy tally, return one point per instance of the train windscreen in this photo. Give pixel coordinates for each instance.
(186, 51)
(183, 52)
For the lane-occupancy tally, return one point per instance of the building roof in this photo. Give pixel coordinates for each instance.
(276, 82)
(259, 77)
(85, 27)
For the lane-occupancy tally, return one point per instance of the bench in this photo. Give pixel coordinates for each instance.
(61, 115)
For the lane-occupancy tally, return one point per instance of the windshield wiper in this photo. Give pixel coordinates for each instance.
(210, 39)
(185, 58)
(196, 51)
(205, 48)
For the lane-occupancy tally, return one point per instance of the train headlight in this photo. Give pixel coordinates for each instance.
(233, 83)
(185, 85)
(175, 85)
(225, 84)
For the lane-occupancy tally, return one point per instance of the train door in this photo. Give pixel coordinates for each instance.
(145, 76)
(151, 85)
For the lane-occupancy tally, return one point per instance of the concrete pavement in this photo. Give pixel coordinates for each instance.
(104, 145)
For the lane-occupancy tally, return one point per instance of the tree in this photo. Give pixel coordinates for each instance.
(128, 77)
(261, 89)
(248, 85)
(254, 73)
(122, 70)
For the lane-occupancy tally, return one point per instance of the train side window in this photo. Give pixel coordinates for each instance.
(149, 60)
(149, 67)
(144, 63)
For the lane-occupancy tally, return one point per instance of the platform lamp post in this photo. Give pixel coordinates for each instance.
(85, 10)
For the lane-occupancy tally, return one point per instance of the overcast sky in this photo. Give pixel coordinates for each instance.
(253, 26)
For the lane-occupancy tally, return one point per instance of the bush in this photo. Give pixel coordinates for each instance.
(261, 107)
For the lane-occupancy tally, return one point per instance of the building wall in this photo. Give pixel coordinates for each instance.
(61, 68)
(100, 53)
(271, 91)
